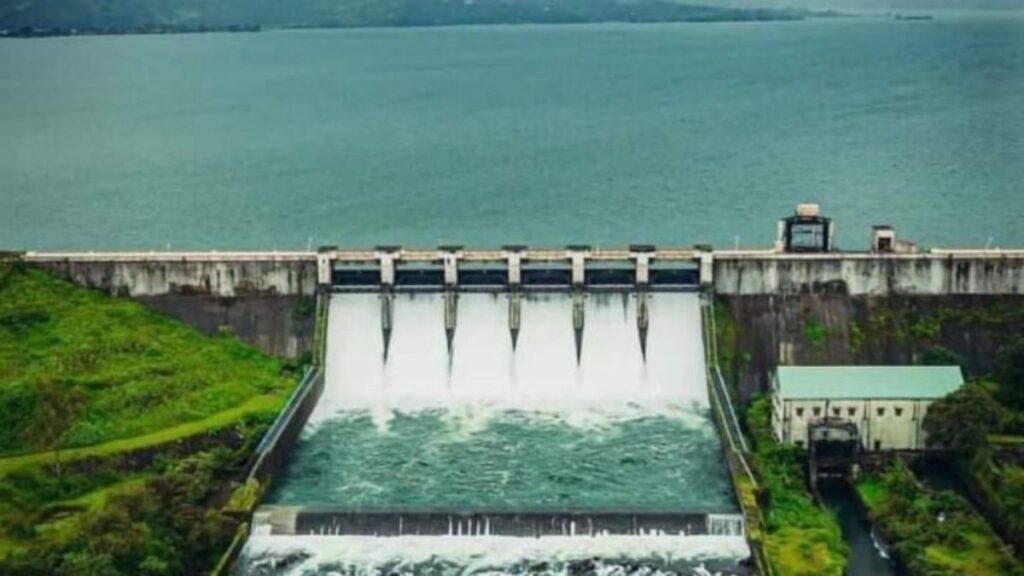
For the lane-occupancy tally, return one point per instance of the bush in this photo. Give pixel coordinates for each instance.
(933, 532)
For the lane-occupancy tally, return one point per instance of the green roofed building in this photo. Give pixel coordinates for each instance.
(886, 403)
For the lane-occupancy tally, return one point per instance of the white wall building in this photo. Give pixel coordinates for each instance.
(887, 403)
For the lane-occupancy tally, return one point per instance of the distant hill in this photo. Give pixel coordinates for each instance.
(127, 15)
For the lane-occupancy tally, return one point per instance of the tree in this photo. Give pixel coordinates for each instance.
(56, 411)
(962, 420)
(1011, 375)
(941, 356)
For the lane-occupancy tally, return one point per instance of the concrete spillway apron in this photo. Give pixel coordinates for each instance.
(294, 520)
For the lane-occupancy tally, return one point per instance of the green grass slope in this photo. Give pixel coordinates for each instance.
(140, 372)
(801, 538)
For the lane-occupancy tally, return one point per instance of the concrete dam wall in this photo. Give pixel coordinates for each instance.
(265, 299)
(759, 332)
(935, 273)
(222, 275)
(731, 272)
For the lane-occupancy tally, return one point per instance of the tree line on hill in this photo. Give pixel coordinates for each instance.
(40, 17)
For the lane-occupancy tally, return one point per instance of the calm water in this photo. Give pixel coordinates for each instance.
(866, 554)
(546, 135)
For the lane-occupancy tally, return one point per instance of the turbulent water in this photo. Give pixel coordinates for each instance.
(672, 134)
(490, 426)
(493, 556)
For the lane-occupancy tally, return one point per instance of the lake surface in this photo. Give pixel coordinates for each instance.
(547, 135)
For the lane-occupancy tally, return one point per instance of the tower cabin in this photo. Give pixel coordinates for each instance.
(882, 407)
(805, 231)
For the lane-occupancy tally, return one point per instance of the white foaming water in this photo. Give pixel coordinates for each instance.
(486, 554)
(484, 373)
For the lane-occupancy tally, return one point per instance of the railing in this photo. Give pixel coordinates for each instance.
(272, 436)
(737, 451)
(323, 301)
(720, 396)
(719, 382)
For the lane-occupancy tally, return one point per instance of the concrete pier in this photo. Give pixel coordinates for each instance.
(578, 308)
(451, 310)
(514, 257)
(450, 256)
(515, 307)
(642, 319)
(578, 257)
(642, 254)
(387, 256)
(387, 307)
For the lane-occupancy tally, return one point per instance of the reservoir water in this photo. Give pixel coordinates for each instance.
(535, 134)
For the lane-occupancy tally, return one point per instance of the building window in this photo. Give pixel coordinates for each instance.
(799, 443)
(899, 411)
(799, 412)
(817, 411)
(878, 445)
(881, 411)
(836, 411)
(851, 411)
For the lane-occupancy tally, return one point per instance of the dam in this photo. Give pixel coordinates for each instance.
(518, 405)
(549, 409)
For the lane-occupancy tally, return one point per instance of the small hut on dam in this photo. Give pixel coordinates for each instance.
(886, 404)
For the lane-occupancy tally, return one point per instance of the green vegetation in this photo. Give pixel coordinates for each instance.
(934, 533)
(946, 331)
(121, 433)
(815, 332)
(981, 427)
(138, 371)
(962, 421)
(1011, 374)
(856, 338)
(800, 538)
(999, 485)
(726, 337)
(165, 523)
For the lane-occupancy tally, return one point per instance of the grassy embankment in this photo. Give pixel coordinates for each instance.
(166, 418)
(801, 538)
(934, 533)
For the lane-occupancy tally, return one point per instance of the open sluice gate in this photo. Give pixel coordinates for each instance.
(515, 415)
